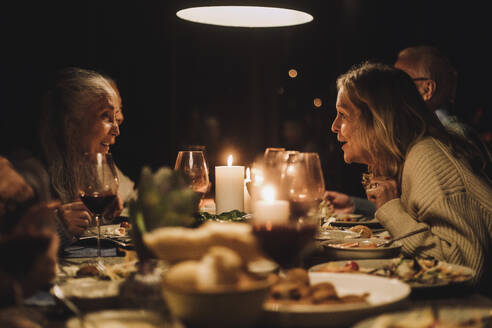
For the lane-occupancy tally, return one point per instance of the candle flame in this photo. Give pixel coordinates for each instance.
(229, 160)
(268, 193)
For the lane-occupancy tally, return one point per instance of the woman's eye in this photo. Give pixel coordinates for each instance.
(106, 116)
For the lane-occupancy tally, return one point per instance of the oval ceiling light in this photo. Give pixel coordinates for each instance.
(245, 16)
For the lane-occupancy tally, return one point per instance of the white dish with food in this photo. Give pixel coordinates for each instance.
(120, 319)
(417, 273)
(335, 234)
(440, 316)
(361, 248)
(383, 293)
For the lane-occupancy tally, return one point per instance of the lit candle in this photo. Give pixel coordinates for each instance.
(247, 197)
(269, 209)
(229, 187)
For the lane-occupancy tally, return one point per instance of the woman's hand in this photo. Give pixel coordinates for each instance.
(381, 190)
(342, 203)
(75, 216)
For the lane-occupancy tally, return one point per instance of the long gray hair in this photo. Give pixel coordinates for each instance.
(64, 121)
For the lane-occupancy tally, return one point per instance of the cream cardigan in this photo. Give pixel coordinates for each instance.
(441, 193)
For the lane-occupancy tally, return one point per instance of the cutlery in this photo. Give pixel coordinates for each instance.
(387, 243)
(58, 292)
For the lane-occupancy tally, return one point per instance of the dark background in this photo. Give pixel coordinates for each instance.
(179, 80)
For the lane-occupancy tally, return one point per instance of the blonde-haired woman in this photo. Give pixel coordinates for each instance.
(422, 177)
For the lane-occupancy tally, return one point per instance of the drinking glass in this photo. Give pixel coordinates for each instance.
(98, 187)
(302, 185)
(271, 155)
(193, 164)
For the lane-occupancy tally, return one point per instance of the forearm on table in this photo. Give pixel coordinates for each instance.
(434, 242)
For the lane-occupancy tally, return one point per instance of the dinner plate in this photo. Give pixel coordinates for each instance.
(423, 317)
(92, 293)
(335, 234)
(384, 294)
(349, 253)
(107, 230)
(120, 319)
(368, 265)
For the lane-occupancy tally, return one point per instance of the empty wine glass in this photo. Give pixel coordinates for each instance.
(98, 187)
(194, 165)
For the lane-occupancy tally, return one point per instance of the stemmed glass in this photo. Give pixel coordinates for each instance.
(98, 187)
(301, 184)
(194, 165)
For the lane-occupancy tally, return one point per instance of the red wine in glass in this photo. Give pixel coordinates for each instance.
(284, 243)
(98, 203)
(98, 187)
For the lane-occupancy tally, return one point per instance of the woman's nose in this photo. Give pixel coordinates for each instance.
(334, 126)
(115, 130)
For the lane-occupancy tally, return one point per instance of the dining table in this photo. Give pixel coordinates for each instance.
(139, 289)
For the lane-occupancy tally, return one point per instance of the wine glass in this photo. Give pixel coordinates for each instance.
(98, 187)
(302, 186)
(193, 164)
(271, 155)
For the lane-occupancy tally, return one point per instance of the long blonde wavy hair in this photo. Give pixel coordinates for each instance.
(394, 117)
(63, 121)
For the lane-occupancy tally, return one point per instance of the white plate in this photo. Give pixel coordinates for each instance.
(90, 288)
(335, 234)
(379, 263)
(383, 294)
(108, 230)
(337, 253)
(120, 319)
(423, 317)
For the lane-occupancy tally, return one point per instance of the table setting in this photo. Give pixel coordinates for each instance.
(265, 252)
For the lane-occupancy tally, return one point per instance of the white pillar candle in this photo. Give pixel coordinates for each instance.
(229, 187)
(247, 197)
(269, 209)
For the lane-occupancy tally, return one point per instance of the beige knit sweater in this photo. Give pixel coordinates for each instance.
(441, 193)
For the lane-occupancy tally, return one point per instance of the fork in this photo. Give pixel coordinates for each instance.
(386, 243)
(58, 292)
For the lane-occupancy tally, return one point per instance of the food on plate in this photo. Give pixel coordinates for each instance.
(176, 244)
(88, 270)
(364, 231)
(326, 208)
(125, 224)
(295, 288)
(423, 318)
(355, 244)
(220, 268)
(108, 271)
(423, 271)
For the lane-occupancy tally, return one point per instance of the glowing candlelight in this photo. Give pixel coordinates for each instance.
(229, 187)
(269, 209)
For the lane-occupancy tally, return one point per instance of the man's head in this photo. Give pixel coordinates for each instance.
(432, 72)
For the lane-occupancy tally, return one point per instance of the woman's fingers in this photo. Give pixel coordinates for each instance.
(76, 217)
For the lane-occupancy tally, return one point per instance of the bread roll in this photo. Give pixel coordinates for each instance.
(183, 275)
(176, 244)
